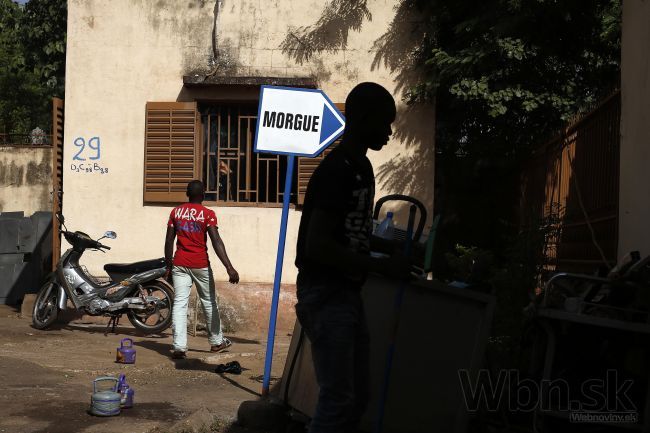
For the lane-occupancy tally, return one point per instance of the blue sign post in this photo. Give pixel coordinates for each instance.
(292, 122)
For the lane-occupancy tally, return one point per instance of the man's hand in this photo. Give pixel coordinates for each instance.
(168, 272)
(220, 249)
(397, 266)
(233, 275)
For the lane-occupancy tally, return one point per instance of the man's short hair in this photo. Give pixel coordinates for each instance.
(195, 189)
(367, 97)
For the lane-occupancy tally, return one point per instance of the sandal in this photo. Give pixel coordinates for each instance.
(232, 367)
(179, 354)
(226, 343)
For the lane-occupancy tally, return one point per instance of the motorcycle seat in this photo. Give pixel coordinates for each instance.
(134, 268)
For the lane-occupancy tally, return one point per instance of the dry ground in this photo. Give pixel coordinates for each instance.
(46, 377)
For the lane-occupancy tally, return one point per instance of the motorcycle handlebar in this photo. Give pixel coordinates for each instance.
(100, 246)
(72, 236)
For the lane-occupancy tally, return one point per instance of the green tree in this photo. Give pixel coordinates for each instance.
(32, 63)
(507, 73)
(44, 38)
(17, 88)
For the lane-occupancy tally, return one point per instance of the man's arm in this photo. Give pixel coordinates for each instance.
(169, 248)
(220, 249)
(322, 248)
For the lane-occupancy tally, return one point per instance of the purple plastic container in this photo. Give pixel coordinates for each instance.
(126, 352)
(126, 393)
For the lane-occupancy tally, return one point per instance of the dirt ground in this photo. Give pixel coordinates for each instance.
(46, 377)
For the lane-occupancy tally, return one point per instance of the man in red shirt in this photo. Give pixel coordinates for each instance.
(191, 222)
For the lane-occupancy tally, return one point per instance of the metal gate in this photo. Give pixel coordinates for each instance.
(573, 185)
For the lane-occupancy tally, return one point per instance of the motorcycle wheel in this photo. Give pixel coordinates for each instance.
(155, 319)
(45, 308)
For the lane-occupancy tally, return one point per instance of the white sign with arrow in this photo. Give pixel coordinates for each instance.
(293, 122)
(300, 122)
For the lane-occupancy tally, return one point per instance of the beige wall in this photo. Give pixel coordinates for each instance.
(25, 179)
(634, 204)
(123, 53)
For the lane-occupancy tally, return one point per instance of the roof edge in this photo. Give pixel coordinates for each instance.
(197, 80)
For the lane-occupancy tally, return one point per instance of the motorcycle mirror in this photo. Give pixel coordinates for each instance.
(110, 235)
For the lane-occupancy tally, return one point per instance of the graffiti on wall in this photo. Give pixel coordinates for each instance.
(87, 155)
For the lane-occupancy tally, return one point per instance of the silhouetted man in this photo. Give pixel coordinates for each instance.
(333, 259)
(191, 222)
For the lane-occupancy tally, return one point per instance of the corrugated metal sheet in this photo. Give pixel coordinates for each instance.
(25, 254)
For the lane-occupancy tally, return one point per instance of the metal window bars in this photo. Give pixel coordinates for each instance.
(232, 171)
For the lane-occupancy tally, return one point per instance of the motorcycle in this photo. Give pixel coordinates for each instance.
(135, 289)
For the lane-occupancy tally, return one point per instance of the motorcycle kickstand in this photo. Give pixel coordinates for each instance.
(112, 323)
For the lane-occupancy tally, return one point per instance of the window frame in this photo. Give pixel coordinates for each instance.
(304, 166)
(201, 104)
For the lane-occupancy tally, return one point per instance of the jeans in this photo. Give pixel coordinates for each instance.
(183, 278)
(338, 332)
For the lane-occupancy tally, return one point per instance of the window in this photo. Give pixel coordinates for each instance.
(232, 171)
(214, 142)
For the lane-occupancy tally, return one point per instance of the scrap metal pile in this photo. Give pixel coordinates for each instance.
(622, 294)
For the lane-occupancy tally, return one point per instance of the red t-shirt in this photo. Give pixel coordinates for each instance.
(191, 222)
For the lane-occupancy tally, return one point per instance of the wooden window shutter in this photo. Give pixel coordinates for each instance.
(172, 155)
(307, 166)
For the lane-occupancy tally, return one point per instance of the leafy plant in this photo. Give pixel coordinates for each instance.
(32, 62)
(516, 275)
(506, 73)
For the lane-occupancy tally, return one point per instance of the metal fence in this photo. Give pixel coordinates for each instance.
(570, 189)
(31, 139)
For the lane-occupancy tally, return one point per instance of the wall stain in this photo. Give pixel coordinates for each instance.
(199, 3)
(11, 174)
(45, 199)
(223, 57)
(320, 70)
(28, 179)
(39, 174)
(186, 27)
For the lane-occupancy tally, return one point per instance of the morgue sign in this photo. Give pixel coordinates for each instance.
(292, 122)
(300, 122)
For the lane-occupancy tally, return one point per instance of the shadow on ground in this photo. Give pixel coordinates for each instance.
(200, 365)
(101, 329)
(78, 418)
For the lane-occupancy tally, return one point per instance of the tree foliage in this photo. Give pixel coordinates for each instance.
(507, 73)
(44, 37)
(32, 62)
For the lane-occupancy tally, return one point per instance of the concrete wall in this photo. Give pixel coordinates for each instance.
(634, 202)
(123, 53)
(25, 179)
